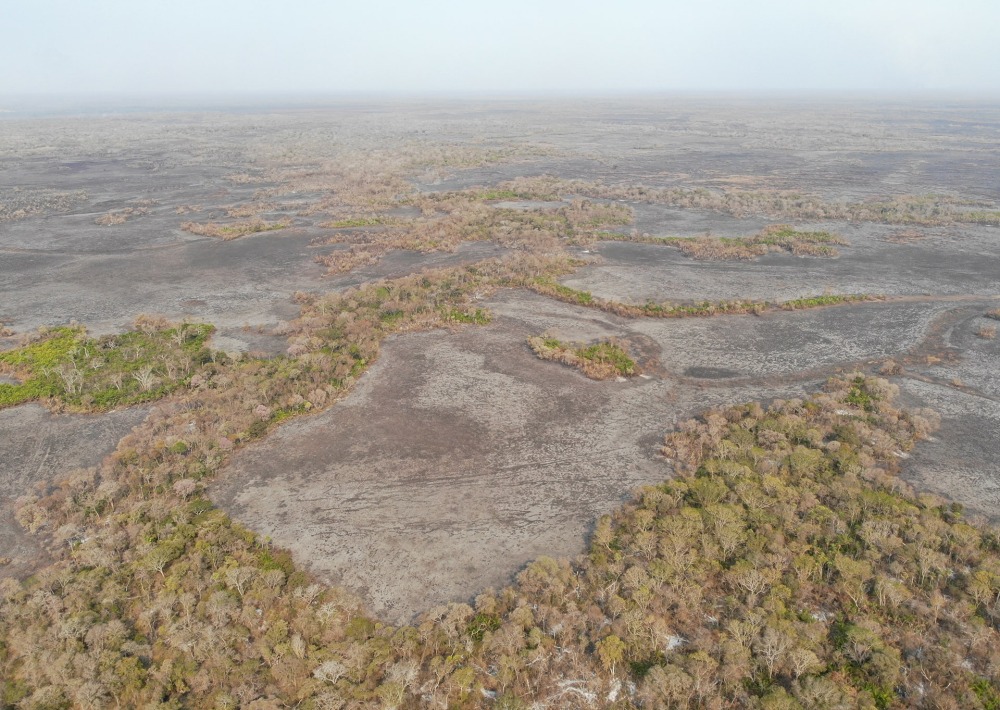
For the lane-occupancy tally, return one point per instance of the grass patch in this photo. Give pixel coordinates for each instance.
(499, 194)
(827, 300)
(598, 361)
(251, 209)
(478, 316)
(775, 238)
(355, 222)
(991, 217)
(549, 287)
(923, 210)
(448, 220)
(236, 230)
(121, 216)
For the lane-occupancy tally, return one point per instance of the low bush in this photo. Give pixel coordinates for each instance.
(235, 230)
(599, 361)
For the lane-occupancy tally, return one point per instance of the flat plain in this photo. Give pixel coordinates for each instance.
(459, 456)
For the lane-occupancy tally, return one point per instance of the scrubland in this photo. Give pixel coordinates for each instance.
(778, 558)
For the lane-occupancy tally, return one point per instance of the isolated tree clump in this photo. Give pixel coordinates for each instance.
(234, 230)
(599, 361)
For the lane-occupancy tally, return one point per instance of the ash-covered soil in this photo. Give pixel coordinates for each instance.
(962, 460)
(965, 262)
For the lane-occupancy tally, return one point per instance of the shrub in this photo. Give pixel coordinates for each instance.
(599, 361)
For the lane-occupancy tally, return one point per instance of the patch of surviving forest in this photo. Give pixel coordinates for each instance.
(785, 562)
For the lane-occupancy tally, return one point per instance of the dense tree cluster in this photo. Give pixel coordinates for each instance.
(66, 368)
(784, 565)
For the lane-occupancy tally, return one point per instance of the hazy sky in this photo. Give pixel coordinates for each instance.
(237, 46)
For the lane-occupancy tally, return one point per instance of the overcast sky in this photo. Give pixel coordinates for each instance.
(379, 46)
